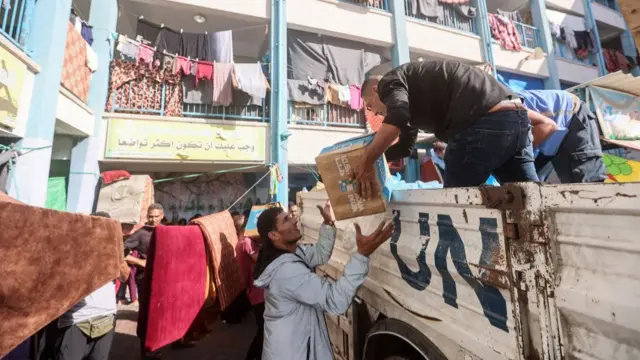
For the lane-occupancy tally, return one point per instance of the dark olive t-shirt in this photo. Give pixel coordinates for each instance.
(440, 96)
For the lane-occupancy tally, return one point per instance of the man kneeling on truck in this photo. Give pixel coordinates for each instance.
(572, 143)
(296, 297)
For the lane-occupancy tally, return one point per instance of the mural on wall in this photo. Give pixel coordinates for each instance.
(207, 194)
(620, 169)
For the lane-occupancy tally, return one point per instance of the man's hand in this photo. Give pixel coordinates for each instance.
(365, 177)
(327, 213)
(368, 244)
(132, 260)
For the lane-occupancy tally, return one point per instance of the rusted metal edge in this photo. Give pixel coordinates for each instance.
(507, 197)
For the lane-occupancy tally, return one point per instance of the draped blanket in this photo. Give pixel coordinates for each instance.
(50, 261)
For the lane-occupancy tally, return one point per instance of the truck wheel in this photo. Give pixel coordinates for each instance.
(392, 339)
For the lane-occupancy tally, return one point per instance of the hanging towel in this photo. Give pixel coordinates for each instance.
(222, 84)
(344, 93)
(92, 58)
(176, 274)
(570, 38)
(332, 94)
(356, 97)
(183, 65)
(51, 260)
(220, 47)
(511, 15)
(220, 233)
(197, 94)
(427, 8)
(251, 79)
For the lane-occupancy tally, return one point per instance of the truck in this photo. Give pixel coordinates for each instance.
(519, 271)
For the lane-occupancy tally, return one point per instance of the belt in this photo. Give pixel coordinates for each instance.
(510, 104)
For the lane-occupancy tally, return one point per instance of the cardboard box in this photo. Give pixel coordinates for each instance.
(335, 164)
(251, 230)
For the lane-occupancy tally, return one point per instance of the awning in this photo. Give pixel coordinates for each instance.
(618, 81)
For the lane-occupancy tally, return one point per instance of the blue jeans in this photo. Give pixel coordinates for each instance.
(499, 143)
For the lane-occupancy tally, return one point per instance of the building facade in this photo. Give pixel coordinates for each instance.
(86, 89)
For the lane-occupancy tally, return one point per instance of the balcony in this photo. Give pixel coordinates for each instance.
(371, 4)
(448, 16)
(326, 115)
(611, 4)
(572, 68)
(13, 16)
(529, 35)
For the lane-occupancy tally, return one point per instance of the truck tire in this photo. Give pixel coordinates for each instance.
(401, 342)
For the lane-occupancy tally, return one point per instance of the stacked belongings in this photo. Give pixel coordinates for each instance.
(192, 275)
(50, 261)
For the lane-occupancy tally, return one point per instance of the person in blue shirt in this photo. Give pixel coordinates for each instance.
(573, 147)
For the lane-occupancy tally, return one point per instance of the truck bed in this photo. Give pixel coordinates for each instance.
(517, 272)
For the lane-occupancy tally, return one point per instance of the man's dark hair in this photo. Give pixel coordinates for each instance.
(103, 214)
(291, 204)
(235, 213)
(267, 222)
(156, 206)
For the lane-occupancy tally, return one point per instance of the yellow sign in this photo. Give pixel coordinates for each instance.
(11, 80)
(170, 140)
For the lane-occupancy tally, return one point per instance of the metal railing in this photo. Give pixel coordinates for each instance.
(152, 101)
(563, 51)
(529, 35)
(15, 16)
(326, 115)
(373, 4)
(450, 17)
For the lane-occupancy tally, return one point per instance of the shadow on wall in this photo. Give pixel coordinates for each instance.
(207, 194)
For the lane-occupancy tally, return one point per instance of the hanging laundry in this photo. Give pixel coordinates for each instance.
(148, 30)
(616, 61)
(204, 71)
(145, 54)
(167, 41)
(584, 44)
(555, 30)
(194, 68)
(427, 8)
(332, 94)
(241, 98)
(511, 15)
(570, 38)
(466, 11)
(356, 97)
(169, 63)
(87, 33)
(222, 84)
(202, 93)
(303, 92)
(128, 50)
(77, 24)
(220, 47)
(505, 32)
(92, 58)
(183, 65)
(344, 93)
(251, 79)
(194, 46)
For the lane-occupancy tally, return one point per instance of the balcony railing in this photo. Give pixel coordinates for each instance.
(152, 102)
(326, 115)
(561, 50)
(373, 4)
(15, 16)
(529, 35)
(450, 17)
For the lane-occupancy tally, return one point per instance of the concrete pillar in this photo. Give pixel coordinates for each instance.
(590, 22)
(400, 50)
(540, 21)
(279, 116)
(84, 172)
(47, 37)
(483, 30)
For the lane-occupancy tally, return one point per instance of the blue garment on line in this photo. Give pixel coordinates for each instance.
(558, 106)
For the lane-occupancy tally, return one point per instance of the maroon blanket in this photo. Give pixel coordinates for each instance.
(50, 260)
(176, 276)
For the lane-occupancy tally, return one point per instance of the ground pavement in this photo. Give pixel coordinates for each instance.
(227, 342)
